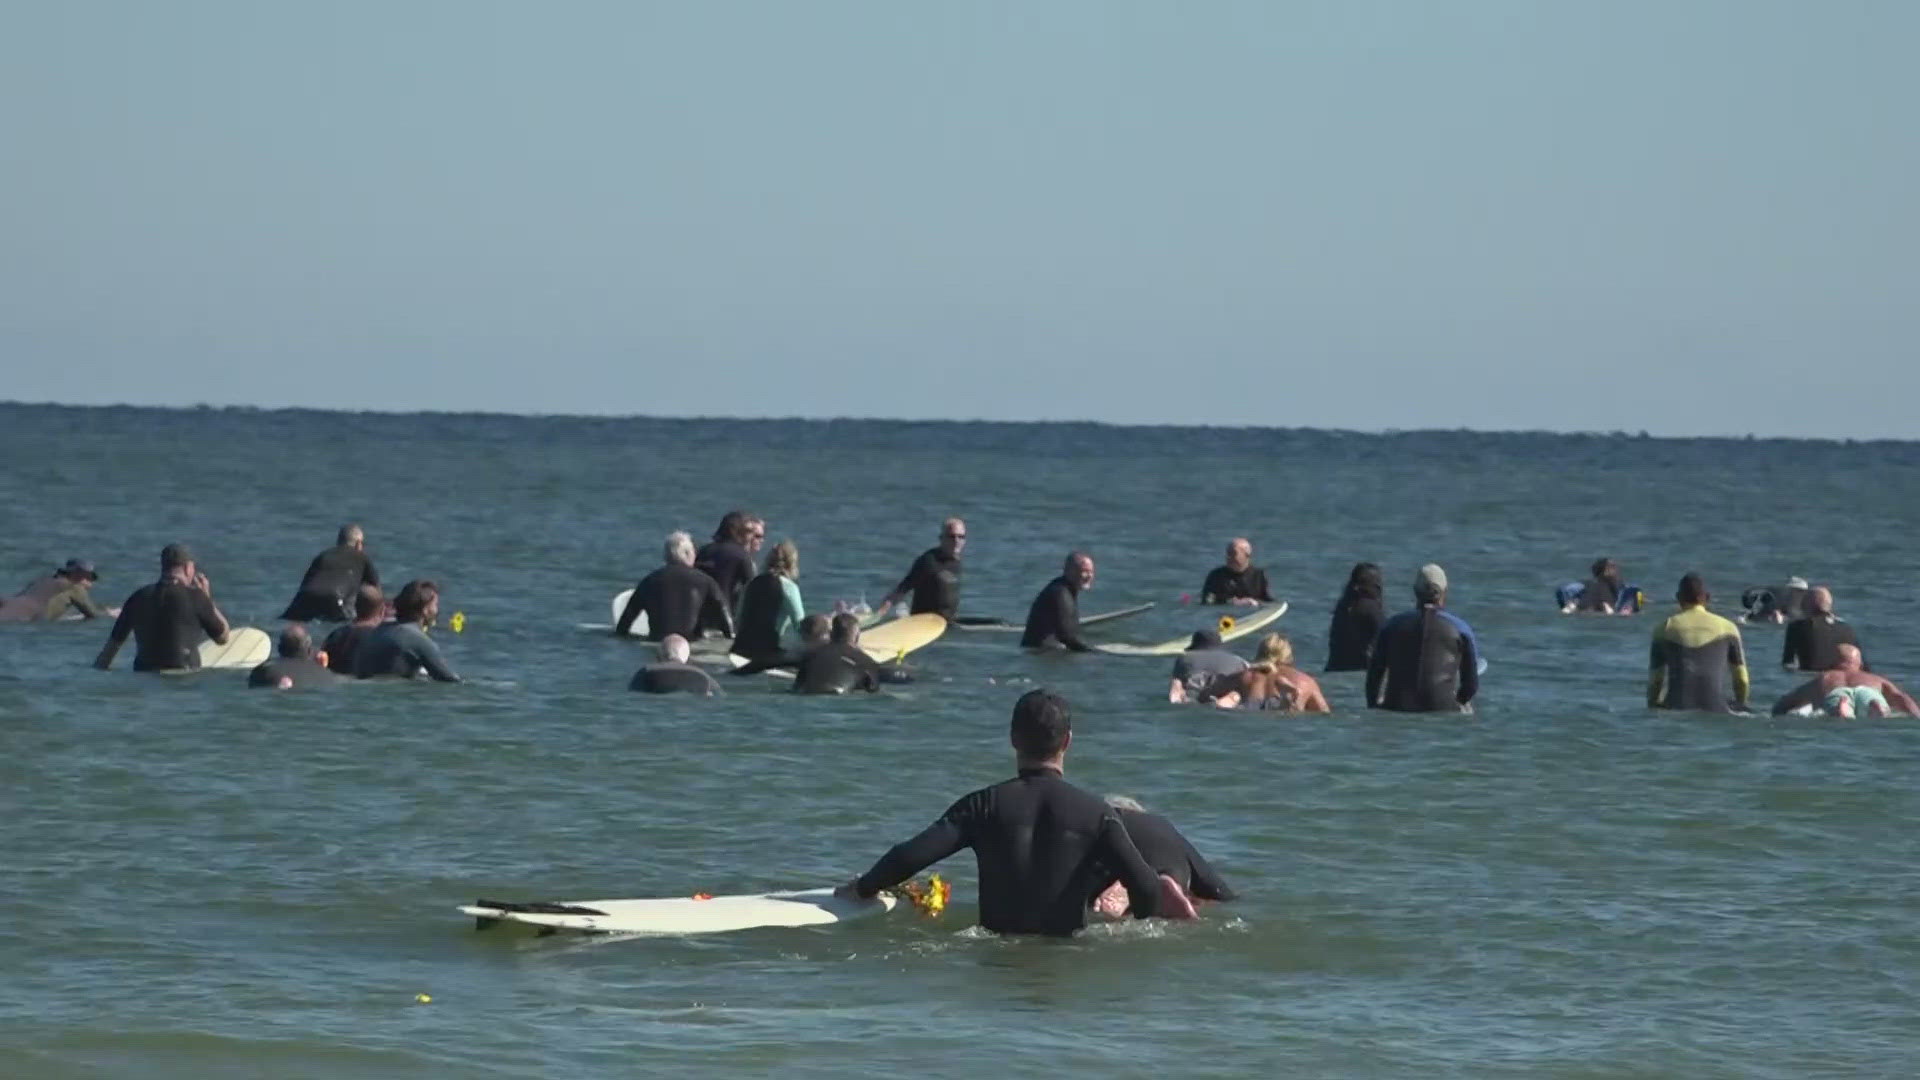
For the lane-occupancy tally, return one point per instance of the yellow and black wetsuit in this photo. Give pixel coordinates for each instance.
(1697, 663)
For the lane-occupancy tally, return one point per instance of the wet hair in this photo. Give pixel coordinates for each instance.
(414, 599)
(1275, 650)
(295, 642)
(1042, 721)
(815, 628)
(678, 548)
(845, 625)
(784, 559)
(1364, 581)
(733, 526)
(1693, 589)
(369, 602)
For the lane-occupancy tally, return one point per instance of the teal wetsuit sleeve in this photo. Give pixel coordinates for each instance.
(792, 610)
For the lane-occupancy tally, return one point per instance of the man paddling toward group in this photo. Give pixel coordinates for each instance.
(1849, 691)
(70, 588)
(1045, 848)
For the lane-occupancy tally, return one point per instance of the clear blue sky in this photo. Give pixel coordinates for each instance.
(1687, 217)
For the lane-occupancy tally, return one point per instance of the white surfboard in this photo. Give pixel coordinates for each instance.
(1000, 626)
(639, 627)
(1254, 620)
(246, 647)
(680, 914)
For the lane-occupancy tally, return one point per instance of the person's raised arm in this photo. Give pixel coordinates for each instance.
(207, 612)
(1737, 659)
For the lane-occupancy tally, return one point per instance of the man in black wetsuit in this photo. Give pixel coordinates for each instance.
(294, 666)
(1427, 657)
(677, 598)
(168, 619)
(1044, 848)
(728, 560)
(369, 611)
(1239, 582)
(1167, 852)
(1054, 619)
(51, 597)
(673, 674)
(1813, 641)
(335, 575)
(840, 665)
(815, 631)
(934, 577)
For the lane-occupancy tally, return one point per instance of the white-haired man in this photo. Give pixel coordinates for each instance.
(675, 596)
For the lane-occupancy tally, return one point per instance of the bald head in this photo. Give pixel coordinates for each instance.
(674, 648)
(351, 536)
(1820, 600)
(295, 642)
(1849, 657)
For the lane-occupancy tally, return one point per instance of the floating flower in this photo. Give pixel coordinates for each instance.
(1226, 623)
(458, 623)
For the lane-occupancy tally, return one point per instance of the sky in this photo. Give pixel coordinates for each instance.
(1687, 217)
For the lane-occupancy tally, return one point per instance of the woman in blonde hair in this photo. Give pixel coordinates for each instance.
(770, 606)
(1271, 682)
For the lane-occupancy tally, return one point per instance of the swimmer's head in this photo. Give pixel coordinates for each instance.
(1365, 580)
(816, 629)
(1079, 569)
(1430, 584)
(1606, 569)
(953, 535)
(295, 642)
(679, 548)
(1042, 726)
(1692, 590)
(673, 647)
(1849, 657)
(419, 601)
(351, 536)
(1820, 600)
(369, 603)
(1239, 553)
(784, 560)
(846, 628)
(1275, 649)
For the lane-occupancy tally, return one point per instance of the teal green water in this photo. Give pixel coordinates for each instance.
(206, 881)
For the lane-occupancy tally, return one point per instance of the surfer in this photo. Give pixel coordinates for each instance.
(50, 597)
(815, 631)
(1239, 582)
(1044, 848)
(770, 606)
(1697, 661)
(727, 560)
(1054, 619)
(1604, 593)
(341, 646)
(1813, 641)
(327, 589)
(677, 598)
(1428, 657)
(840, 665)
(1357, 618)
(672, 673)
(1775, 604)
(294, 666)
(1271, 682)
(1848, 691)
(402, 646)
(1204, 663)
(1168, 852)
(934, 577)
(167, 619)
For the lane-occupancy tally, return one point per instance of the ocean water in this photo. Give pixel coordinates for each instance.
(206, 881)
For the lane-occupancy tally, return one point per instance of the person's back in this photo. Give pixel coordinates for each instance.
(343, 646)
(1428, 656)
(674, 598)
(169, 621)
(31, 603)
(1357, 619)
(327, 589)
(1696, 661)
(1204, 663)
(836, 668)
(1813, 643)
(673, 677)
(402, 649)
(1170, 853)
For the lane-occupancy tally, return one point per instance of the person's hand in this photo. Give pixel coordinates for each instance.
(200, 582)
(1244, 601)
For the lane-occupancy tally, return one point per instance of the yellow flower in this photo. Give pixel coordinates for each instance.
(1226, 623)
(458, 622)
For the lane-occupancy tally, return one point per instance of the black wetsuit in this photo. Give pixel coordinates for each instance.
(168, 621)
(1169, 853)
(401, 648)
(1044, 849)
(835, 668)
(331, 582)
(1224, 585)
(1697, 662)
(672, 677)
(1598, 594)
(1430, 662)
(1054, 618)
(675, 597)
(757, 632)
(303, 670)
(934, 579)
(1357, 620)
(342, 644)
(730, 566)
(1813, 643)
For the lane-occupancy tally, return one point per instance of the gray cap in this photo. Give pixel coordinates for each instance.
(1430, 581)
